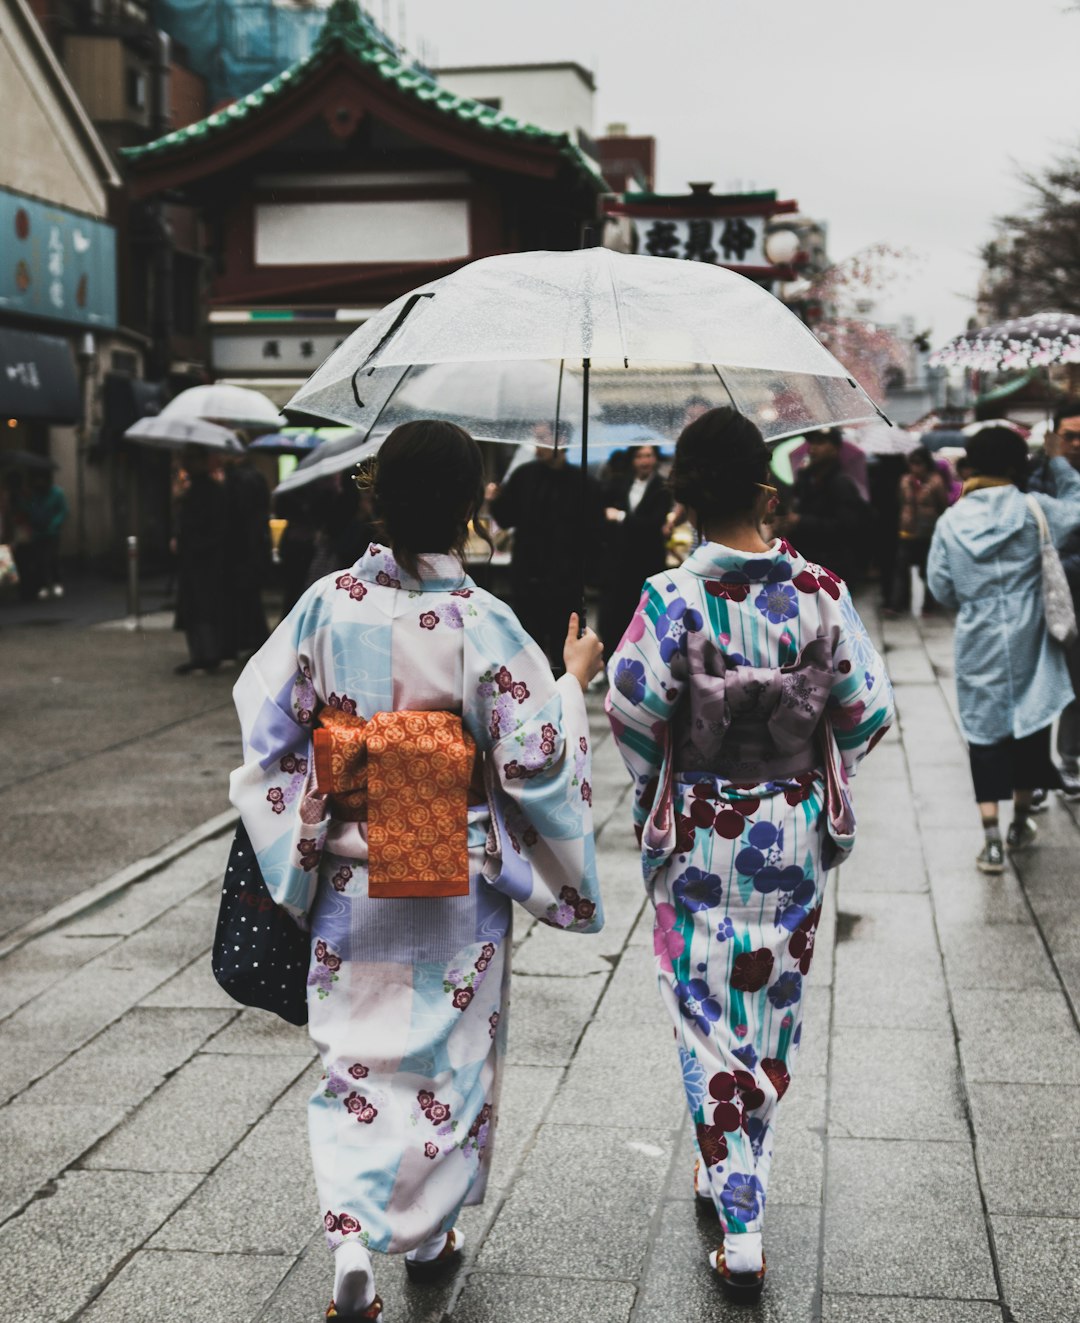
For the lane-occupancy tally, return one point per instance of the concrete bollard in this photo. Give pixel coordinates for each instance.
(133, 581)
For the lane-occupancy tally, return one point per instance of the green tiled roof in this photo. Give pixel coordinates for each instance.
(347, 29)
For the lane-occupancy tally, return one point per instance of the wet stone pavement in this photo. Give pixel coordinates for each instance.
(153, 1152)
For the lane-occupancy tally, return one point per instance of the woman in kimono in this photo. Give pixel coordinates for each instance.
(474, 793)
(742, 696)
(1012, 678)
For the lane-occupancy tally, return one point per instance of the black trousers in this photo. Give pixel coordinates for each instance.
(999, 769)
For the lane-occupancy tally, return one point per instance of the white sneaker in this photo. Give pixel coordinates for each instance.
(58, 590)
(43, 595)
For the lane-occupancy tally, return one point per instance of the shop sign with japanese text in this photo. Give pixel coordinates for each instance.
(56, 263)
(730, 240)
(275, 349)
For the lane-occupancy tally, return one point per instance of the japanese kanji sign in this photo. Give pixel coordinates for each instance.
(730, 241)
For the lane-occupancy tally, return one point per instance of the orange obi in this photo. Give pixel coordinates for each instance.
(412, 775)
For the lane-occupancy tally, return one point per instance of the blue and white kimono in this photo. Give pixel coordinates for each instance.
(408, 998)
(742, 684)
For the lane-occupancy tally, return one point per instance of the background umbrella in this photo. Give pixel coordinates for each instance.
(174, 433)
(298, 441)
(1021, 342)
(25, 459)
(643, 338)
(232, 406)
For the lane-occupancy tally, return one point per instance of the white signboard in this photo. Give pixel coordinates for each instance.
(341, 233)
(729, 240)
(283, 347)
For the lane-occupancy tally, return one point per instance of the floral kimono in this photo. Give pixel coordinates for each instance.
(743, 687)
(408, 998)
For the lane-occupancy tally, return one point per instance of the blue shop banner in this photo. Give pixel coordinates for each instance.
(56, 263)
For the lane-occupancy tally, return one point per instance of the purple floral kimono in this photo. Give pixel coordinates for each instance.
(738, 682)
(408, 997)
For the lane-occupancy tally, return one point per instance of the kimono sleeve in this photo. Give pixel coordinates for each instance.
(534, 732)
(646, 675)
(274, 787)
(860, 707)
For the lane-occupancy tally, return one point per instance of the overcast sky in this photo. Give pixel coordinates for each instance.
(895, 123)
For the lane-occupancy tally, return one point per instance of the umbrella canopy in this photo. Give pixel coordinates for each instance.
(232, 406)
(1020, 342)
(25, 459)
(297, 442)
(330, 458)
(653, 335)
(877, 439)
(174, 433)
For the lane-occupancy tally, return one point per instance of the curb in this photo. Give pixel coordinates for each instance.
(111, 887)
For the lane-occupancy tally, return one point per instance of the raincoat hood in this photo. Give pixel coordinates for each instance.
(983, 521)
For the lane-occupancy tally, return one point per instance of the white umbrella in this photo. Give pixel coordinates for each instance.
(877, 438)
(233, 406)
(165, 433)
(644, 334)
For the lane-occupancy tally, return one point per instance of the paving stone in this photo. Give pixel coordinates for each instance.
(527, 1094)
(198, 1115)
(966, 899)
(996, 1108)
(898, 920)
(49, 1273)
(123, 1065)
(35, 967)
(1038, 1257)
(868, 977)
(261, 1200)
(1008, 957)
(876, 1241)
(678, 1283)
(1039, 1177)
(886, 860)
(1022, 1038)
(37, 1143)
(159, 893)
(256, 1032)
(553, 1219)
(797, 1172)
(172, 941)
(895, 1084)
(813, 1058)
(195, 986)
(207, 1288)
(633, 994)
(609, 1085)
(548, 951)
(549, 1015)
(547, 1299)
(23, 1063)
(900, 1309)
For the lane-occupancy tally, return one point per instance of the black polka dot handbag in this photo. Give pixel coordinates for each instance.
(260, 955)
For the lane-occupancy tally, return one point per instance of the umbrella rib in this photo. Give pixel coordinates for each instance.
(618, 311)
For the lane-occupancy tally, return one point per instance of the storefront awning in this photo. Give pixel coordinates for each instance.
(38, 379)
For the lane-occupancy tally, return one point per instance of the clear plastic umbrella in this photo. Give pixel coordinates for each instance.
(634, 338)
(165, 433)
(232, 406)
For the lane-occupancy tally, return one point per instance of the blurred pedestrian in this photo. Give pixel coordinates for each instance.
(831, 524)
(743, 695)
(45, 510)
(474, 793)
(636, 507)
(1067, 426)
(201, 547)
(248, 557)
(1012, 678)
(555, 533)
(924, 498)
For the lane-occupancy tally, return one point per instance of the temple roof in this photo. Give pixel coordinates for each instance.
(349, 32)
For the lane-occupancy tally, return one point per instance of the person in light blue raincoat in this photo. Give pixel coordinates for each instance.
(1011, 676)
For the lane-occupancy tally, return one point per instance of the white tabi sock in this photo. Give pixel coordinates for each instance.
(354, 1278)
(433, 1247)
(742, 1253)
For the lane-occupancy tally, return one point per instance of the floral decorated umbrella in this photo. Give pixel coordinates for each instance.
(1019, 343)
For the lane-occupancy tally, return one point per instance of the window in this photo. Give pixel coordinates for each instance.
(136, 89)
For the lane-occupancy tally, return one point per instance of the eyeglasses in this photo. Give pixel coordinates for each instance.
(773, 491)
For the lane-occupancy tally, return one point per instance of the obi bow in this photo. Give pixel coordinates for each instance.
(411, 775)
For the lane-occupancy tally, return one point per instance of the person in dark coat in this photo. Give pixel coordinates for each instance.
(553, 537)
(248, 557)
(201, 543)
(831, 523)
(637, 505)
